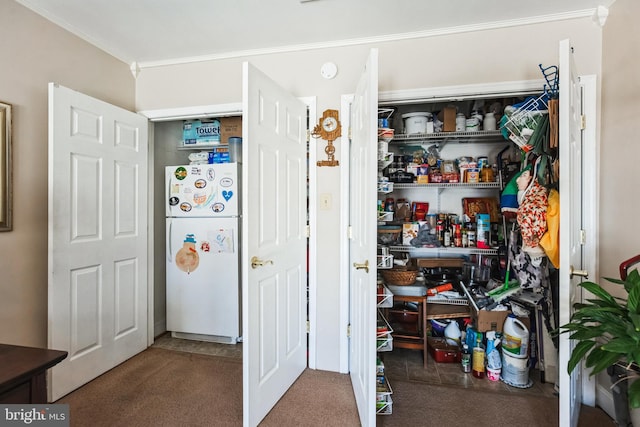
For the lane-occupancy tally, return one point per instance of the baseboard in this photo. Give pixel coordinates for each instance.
(604, 399)
(159, 327)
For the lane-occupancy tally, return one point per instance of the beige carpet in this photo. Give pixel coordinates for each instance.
(169, 388)
(162, 387)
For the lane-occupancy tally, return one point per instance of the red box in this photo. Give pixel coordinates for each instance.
(443, 352)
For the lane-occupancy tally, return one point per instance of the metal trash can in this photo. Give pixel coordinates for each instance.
(619, 393)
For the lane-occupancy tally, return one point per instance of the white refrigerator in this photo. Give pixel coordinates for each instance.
(202, 262)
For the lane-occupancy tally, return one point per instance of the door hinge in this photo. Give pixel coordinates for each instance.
(583, 122)
(349, 330)
(308, 327)
(349, 232)
(583, 237)
(307, 231)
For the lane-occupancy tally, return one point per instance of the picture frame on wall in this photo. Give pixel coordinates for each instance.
(6, 222)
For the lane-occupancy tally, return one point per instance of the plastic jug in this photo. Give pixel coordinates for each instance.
(452, 333)
(515, 340)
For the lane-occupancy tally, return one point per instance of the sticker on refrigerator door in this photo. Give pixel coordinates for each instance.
(180, 173)
(226, 182)
(185, 207)
(187, 258)
(221, 240)
(227, 194)
(173, 201)
(200, 183)
(211, 174)
(217, 207)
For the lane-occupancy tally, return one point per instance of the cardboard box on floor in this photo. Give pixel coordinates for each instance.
(494, 320)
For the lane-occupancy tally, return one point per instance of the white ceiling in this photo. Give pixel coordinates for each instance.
(153, 32)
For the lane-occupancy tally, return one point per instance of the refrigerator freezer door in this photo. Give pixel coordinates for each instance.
(202, 190)
(203, 276)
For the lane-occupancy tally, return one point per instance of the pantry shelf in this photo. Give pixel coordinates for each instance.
(402, 186)
(444, 250)
(460, 137)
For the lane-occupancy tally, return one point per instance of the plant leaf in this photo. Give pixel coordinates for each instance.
(578, 353)
(621, 345)
(598, 291)
(633, 297)
(600, 360)
(634, 393)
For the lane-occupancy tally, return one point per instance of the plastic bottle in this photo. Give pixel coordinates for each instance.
(452, 333)
(461, 122)
(466, 359)
(489, 122)
(516, 337)
(477, 368)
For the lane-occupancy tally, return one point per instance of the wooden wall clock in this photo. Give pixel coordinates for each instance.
(328, 128)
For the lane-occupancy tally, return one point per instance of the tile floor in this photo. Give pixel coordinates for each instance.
(404, 364)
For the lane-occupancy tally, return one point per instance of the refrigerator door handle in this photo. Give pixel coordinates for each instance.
(168, 242)
(167, 196)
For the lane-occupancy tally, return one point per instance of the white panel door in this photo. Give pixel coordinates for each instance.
(97, 236)
(274, 207)
(571, 176)
(363, 247)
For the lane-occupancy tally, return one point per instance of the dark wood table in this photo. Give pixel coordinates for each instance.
(23, 373)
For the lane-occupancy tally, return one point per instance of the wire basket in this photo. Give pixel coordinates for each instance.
(399, 276)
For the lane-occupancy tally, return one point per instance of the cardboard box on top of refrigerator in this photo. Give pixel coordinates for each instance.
(200, 132)
(230, 126)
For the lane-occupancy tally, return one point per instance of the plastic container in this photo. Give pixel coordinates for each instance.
(489, 122)
(493, 374)
(465, 362)
(452, 333)
(235, 149)
(483, 229)
(417, 122)
(461, 122)
(515, 370)
(479, 356)
(515, 341)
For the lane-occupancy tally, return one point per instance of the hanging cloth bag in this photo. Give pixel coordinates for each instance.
(550, 241)
(532, 215)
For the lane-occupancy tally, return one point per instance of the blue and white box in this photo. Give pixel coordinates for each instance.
(197, 132)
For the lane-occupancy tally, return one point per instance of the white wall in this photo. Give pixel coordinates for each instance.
(35, 52)
(619, 153)
(469, 58)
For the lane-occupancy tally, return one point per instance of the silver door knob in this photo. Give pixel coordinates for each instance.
(581, 273)
(257, 262)
(364, 266)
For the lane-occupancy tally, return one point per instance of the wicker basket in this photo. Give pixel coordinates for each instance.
(400, 276)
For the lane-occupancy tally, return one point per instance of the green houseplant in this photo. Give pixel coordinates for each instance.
(607, 329)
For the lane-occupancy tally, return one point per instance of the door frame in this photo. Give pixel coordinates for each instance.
(220, 110)
(400, 97)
